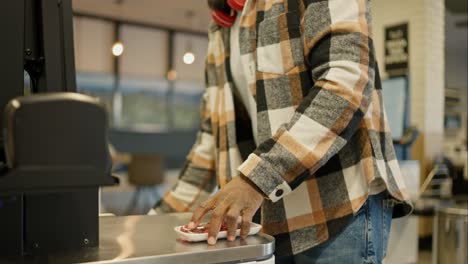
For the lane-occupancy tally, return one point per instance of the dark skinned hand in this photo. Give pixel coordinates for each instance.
(237, 199)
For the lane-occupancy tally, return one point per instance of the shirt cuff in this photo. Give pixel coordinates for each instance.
(265, 177)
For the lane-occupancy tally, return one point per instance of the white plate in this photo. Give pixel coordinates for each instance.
(190, 237)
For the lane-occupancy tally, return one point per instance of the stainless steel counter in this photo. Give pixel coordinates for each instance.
(151, 239)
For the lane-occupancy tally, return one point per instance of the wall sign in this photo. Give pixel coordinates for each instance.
(396, 49)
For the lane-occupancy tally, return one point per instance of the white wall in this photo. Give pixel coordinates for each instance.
(426, 65)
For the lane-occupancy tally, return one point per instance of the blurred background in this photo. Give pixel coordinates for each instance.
(145, 60)
(141, 58)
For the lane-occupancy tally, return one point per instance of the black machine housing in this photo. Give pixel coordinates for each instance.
(54, 149)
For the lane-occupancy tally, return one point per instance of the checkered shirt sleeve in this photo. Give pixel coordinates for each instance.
(337, 40)
(197, 179)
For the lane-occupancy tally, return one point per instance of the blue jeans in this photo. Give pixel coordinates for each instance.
(364, 240)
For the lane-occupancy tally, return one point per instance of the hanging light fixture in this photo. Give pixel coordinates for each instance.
(117, 49)
(189, 56)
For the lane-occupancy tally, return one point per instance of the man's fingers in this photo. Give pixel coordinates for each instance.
(215, 224)
(200, 212)
(245, 225)
(231, 222)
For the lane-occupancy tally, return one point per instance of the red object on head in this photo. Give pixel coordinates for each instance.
(223, 19)
(237, 5)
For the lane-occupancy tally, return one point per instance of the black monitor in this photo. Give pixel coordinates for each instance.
(56, 143)
(35, 36)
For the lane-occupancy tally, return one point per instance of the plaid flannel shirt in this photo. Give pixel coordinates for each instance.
(322, 129)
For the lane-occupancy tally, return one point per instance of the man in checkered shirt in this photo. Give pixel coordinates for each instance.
(293, 122)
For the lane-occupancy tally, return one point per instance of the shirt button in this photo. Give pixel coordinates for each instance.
(279, 193)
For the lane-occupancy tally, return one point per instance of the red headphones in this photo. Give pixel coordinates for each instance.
(224, 19)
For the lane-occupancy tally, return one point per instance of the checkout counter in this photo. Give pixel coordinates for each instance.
(151, 239)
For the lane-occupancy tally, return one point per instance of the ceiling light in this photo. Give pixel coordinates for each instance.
(189, 58)
(117, 49)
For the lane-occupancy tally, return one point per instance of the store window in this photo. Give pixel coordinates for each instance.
(142, 83)
(93, 59)
(126, 66)
(189, 84)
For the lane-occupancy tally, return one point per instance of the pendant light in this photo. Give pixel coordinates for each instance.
(189, 56)
(118, 47)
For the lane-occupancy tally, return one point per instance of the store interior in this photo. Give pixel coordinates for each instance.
(145, 59)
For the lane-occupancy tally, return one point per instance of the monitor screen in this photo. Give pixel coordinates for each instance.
(395, 92)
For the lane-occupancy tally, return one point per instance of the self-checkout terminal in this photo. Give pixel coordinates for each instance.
(54, 153)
